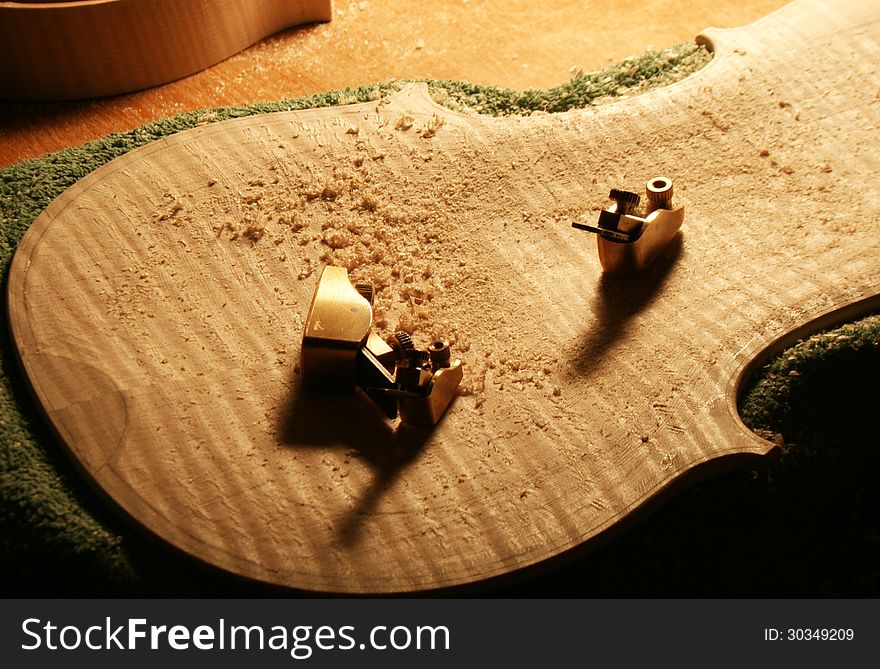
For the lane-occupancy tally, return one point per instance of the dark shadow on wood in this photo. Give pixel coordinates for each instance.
(313, 419)
(617, 301)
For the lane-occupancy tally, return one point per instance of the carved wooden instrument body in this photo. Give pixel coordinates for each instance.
(157, 307)
(89, 48)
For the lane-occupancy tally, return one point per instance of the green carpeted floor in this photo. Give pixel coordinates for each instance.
(808, 526)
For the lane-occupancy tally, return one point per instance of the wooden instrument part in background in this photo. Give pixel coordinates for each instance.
(157, 307)
(371, 40)
(90, 48)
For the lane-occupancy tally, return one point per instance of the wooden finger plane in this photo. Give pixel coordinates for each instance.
(628, 243)
(340, 351)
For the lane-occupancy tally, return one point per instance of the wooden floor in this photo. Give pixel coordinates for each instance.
(510, 43)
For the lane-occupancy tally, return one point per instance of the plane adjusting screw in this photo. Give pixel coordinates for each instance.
(626, 200)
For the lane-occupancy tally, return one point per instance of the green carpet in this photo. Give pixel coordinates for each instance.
(806, 527)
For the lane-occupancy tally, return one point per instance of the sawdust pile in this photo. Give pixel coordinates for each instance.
(409, 242)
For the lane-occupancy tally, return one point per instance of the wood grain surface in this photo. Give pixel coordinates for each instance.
(91, 48)
(508, 43)
(157, 307)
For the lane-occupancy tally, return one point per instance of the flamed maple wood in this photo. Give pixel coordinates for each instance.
(157, 307)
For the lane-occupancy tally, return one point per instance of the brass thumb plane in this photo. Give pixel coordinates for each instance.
(628, 243)
(340, 353)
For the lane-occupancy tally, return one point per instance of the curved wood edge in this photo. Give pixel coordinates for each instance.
(73, 50)
(756, 354)
(748, 451)
(761, 353)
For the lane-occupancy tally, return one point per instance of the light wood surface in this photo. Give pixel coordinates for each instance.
(91, 48)
(508, 43)
(157, 307)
